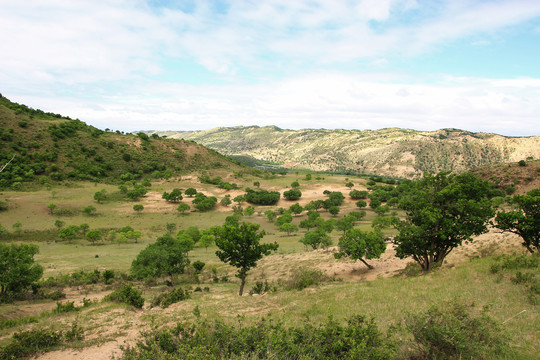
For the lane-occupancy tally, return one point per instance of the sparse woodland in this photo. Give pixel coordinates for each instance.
(173, 251)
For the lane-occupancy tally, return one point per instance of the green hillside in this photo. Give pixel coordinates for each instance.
(389, 152)
(48, 147)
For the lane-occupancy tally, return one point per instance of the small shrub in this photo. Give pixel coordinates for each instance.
(166, 299)
(108, 276)
(303, 277)
(260, 288)
(128, 295)
(64, 308)
(453, 332)
(521, 278)
(26, 343)
(198, 266)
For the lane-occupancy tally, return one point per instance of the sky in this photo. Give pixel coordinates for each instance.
(193, 65)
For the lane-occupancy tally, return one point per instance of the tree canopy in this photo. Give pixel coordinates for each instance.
(358, 244)
(524, 220)
(17, 269)
(442, 211)
(239, 245)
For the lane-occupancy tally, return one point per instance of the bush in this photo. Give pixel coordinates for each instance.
(453, 332)
(128, 295)
(303, 277)
(26, 343)
(167, 298)
(358, 339)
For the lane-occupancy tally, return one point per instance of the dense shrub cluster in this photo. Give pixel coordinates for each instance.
(262, 197)
(358, 339)
(165, 299)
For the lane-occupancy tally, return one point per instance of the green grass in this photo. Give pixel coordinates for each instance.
(388, 299)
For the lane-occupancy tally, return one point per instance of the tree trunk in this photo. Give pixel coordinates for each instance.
(369, 266)
(242, 283)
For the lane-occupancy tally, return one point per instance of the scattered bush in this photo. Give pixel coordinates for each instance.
(303, 277)
(452, 331)
(128, 295)
(168, 298)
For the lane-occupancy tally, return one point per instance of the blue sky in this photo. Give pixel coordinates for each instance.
(188, 65)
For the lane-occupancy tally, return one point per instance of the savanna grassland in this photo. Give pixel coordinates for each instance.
(389, 293)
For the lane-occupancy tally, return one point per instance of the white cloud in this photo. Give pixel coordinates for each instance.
(102, 60)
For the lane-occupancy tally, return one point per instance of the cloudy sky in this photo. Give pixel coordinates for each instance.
(365, 64)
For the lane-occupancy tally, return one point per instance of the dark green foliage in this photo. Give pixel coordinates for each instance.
(198, 266)
(293, 194)
(17, 269)
(453, 331)
(316, 238)
(358, 194)
(203, 202)
(260, 288)
(167, 256)
(127, 295)
(262, 197)
(108, 276)
(358, 244)
(239, 245)
(524, 221)
(190, 192)
(93, 236)
(358, 339)
(166, 299)
(522, 163)
(442, 212)
(173, 196)
(100, 196)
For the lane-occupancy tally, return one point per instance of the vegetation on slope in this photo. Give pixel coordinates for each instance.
(48, 147)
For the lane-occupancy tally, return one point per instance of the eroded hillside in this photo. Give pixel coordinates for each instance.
(390, 152)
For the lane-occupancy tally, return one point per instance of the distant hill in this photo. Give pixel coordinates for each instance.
(389, 152)
(50, 147)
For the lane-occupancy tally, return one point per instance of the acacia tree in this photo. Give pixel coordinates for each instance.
(239, 245)
(523, 221)
(442, 211)
(358, 244)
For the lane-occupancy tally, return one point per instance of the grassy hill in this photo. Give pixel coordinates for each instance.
(389, 152)
(50, 147)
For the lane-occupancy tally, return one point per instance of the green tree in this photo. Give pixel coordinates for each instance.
(295, 184)
(69, 233)
(239, 199)
(381, 210)
(59, 224)
(361, 203)
(288, 228)
(239, 245)
(89, 210)
(316, 238)
(17, 269)
(174, 196)
(442, 212)
(270, 215)
(226, 201)
(345, 224)
(250, 210)
(349, 184)
(170, 227)
(51, 208)
(358, 244)
(285, 218)
(358, 194)
(167, 256)
(190, 192)
(296, 209)
(138, 208)
(334, 210)
(524, 220)
(293, 194)
(257, 184)
(100, 196)
(84, 228)
(93, 236)
(182, 207)
(206, 240)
